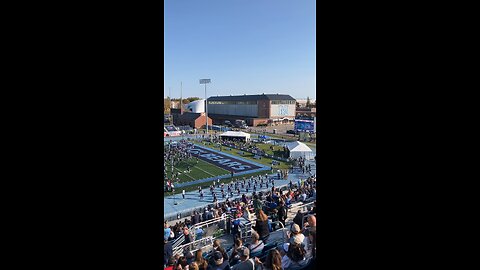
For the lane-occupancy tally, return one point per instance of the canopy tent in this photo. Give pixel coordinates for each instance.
(236, 135)
(299, 149)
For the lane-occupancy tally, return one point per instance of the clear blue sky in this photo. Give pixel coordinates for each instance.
(243, 46)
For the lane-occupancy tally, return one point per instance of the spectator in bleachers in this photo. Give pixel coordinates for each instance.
(218, 263)
(199, 233)
(193, 266)
(201, 262)
(272, 262)
(295, 258)
(262, 226)
(257, 204)
(190, 257)
(188, 236)
(311, 247)
(218, 247)
(283, 253)
(310, 225)
(170, 264)
(196, 217)
(296, 236)
(245, 262)
(182, 264)
(167, 251)
(235, 256)
(272, 226)
(282, 213)
(236, 228)
(257, 245)
(166, 231)
(247, 215)
(298, 219)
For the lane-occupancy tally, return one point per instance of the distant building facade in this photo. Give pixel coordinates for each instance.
(197, 106)
(195, 120)
(254, 109)
(306, 113)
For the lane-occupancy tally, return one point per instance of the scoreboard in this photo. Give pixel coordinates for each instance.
(305, 126)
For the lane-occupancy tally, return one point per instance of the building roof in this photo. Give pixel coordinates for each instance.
(235, 134)
(251, 97)
(189, 116)
(298, 147)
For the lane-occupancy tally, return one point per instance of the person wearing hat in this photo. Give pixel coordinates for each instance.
(218, 263)
(246, 263)
(296, 236)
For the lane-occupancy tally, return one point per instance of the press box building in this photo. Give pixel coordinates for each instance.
(254, 109)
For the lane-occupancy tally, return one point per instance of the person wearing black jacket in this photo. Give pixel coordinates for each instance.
(262, 226)
(218, 262)
(188, 236)
(282, 213)
(167, 251)
(196, 217)
(298, 219)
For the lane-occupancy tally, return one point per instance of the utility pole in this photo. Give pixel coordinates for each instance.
(205, 81)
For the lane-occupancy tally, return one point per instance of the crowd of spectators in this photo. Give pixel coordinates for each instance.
(263, 207)
(295, 254)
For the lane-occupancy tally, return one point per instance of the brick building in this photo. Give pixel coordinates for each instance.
(254, 109)
(195, 120)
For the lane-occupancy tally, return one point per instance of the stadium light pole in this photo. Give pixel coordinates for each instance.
(205, 81)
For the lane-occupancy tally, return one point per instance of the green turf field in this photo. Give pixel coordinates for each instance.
(249, 156)
(207, 184)
(199, 170)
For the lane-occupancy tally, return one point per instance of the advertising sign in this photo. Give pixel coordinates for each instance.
(304, 126)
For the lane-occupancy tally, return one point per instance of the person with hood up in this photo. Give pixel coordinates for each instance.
(218, 263)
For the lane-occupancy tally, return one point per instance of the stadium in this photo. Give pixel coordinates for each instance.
(233, 195)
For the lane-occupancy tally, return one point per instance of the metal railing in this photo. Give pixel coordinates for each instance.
(208, 222)
(193, 246)
(302, 207)
(178, 241)
(245, 231)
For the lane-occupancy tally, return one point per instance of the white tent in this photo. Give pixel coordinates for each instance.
(299, 149)
(236, 134)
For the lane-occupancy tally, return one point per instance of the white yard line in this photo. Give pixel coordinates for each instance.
(204, 171)
(185, 174)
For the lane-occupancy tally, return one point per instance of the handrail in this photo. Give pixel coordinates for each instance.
(191, 246)
(245, 231)
(207, 222)
(178, 241)
(302, 206)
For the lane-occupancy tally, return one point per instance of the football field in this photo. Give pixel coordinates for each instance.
(198, 170)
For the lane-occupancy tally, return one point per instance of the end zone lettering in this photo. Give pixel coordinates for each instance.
(222, 161)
